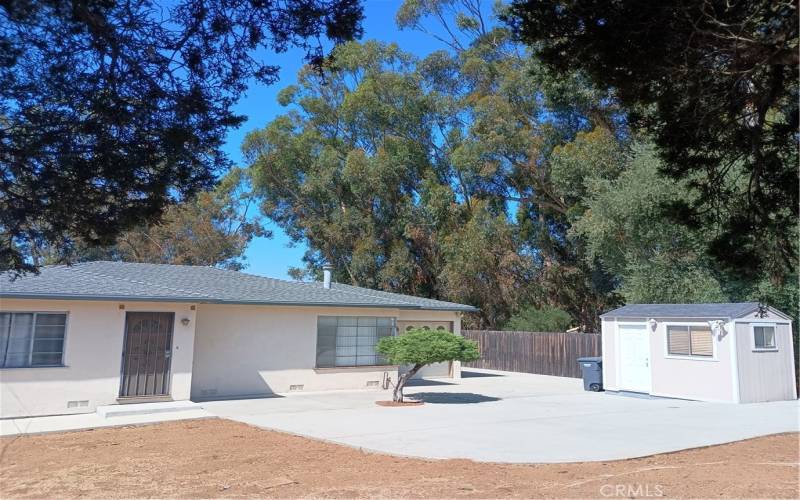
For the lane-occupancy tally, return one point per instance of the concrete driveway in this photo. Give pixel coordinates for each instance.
(512, 417)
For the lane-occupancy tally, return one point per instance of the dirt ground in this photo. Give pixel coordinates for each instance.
(220, 458)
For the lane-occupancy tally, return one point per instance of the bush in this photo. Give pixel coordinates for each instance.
(545, 319)
(419, 347)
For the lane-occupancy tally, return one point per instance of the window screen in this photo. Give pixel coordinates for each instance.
(764, 337)
(351, 340)
(690, 341)
(31, 339)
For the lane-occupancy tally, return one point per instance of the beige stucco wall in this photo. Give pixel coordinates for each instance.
(451, 321)
(765, 375)
(92, 358)
(225, 350)
(693, 378)
(671, 376)
(243, 350)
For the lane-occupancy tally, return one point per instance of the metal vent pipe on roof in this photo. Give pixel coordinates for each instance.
(326, 275)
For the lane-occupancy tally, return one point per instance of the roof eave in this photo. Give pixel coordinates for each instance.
(770, 308)
(205, 300)
(636, 316)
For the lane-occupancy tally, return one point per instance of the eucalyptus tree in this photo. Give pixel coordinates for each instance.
(360, 168)
(433, 176)
(515, 115)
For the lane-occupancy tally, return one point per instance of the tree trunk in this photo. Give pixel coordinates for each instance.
(397, 395)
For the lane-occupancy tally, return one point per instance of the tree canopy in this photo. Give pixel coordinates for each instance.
(715, 84)
(211, 229)
(433, 176)
(488, 174)
(544, 182)
(535, 319)
(419, 347)
(111, 110)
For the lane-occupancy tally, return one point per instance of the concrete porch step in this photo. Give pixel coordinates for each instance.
(123, 410)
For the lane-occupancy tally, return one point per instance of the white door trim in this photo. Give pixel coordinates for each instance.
(621, 384)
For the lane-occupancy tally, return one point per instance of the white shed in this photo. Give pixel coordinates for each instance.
(740, 353)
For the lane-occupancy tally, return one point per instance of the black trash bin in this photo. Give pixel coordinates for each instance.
(592, 373)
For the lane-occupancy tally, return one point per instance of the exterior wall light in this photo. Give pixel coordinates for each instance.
(718, 328)
(185, 321)
(653, 324)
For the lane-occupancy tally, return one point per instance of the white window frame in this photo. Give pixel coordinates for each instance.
(690, 357)
(29, 366)
(774, 327)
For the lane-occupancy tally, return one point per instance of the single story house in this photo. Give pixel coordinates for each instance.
(739, 353)
(76, 337)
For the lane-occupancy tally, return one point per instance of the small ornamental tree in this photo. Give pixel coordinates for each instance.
(419, 347)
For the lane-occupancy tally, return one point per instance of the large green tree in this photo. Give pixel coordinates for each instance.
(652, 258)
(715, 83)
(111, 110)
(433, 176)
(361, 169)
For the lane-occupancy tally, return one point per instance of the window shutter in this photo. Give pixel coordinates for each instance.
(702, 341)
(678, 340)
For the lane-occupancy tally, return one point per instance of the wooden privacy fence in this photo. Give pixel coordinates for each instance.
(533, 352)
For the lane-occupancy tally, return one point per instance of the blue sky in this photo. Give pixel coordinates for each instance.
(273, 257)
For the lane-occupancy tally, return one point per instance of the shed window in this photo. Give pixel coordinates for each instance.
(764, 337)
(690, 341)
(351, 340)
(31, 339)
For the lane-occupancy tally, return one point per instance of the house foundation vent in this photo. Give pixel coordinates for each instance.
(295, 387)
(78, 404)
(373, 383)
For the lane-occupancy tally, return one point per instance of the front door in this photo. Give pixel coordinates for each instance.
(634, 362)
(146, 354)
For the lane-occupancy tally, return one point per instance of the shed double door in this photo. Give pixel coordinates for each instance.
(146, 354)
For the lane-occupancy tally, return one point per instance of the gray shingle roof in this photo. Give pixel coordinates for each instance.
(726, 310)
(161, 282)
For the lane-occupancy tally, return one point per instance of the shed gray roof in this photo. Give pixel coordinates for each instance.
(171, 283)
(726, 310)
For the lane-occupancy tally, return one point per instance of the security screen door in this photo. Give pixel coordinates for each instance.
(146, 354)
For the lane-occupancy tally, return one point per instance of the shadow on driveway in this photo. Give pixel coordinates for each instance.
(452, 398)
(465, 373)
(422, 382)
